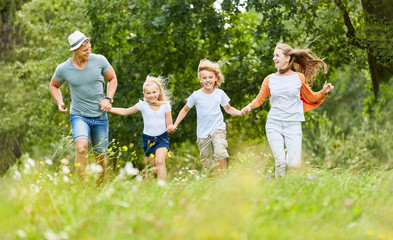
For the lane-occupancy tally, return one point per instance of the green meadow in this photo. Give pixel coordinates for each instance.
(243, 202)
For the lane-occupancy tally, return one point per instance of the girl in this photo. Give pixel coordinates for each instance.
(211, 128)
(156, 113)
(290, 96)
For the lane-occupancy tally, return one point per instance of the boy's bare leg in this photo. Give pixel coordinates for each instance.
(222, 164)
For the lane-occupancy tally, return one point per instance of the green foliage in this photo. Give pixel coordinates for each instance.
(169, 38)
(367, 146)
(9, 35)
(377, 31)
(341, 135)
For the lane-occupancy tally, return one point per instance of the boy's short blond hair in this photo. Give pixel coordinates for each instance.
(214, 67)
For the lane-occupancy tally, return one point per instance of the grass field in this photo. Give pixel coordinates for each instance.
(244, 202)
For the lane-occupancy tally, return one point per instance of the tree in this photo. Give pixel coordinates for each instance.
(378, 34)
(340, 29)
(8, 31)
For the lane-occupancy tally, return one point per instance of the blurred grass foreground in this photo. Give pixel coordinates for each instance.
(243, 202)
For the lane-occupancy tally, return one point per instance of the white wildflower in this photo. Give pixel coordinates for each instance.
(21, 233)
(95, 168)
(65, 169)
(35, 188)
(160, 182)
(63, 235)
(26, 169)
(17, 175)
(50, 177)
(130, 170)
(139, 178)
(48, 161)
(65, 161)
(123, 204)
(50, 235)
(30, 161)
(66, 179)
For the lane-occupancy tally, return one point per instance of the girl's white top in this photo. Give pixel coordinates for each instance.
(285, 98)
(209, 115)
(154, 123)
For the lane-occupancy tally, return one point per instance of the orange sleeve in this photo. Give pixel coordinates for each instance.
(310, 99)
(263, 93)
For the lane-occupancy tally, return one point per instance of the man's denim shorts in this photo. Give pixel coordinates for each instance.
(151, 144)
(95, 129)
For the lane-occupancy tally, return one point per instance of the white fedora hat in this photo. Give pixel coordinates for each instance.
(76, 39)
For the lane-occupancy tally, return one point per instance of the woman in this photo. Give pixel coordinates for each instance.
(290, 96)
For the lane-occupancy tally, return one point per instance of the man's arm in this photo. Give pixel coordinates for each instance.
(110, 76)
(54, 88)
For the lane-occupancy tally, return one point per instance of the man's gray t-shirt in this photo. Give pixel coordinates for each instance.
(86, 86)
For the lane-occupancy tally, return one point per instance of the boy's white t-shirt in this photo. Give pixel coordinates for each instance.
(154, 123)
(209, 115)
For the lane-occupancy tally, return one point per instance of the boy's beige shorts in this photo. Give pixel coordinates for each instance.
(213, 148)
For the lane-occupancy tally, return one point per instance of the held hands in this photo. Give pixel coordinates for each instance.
(327, 87)
(62, 108)
(171, 129)
(105, 105)
(246, 110)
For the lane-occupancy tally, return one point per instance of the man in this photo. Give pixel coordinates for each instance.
(86, 73)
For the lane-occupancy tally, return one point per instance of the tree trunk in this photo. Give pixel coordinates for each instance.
(379, 73)
(379, 12)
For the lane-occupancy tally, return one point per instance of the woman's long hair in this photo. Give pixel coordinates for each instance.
(303, 61)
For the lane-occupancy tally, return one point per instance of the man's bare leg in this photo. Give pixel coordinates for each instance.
(81, 161)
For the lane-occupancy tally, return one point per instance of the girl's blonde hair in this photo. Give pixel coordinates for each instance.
(164, 95)
(304, 61)
(214, 67)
